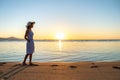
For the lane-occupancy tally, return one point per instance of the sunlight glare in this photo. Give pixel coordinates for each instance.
(60, 36)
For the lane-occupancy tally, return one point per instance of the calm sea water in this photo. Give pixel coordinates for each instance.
(73, 51)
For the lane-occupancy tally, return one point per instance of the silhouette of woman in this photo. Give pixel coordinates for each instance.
(30, 43)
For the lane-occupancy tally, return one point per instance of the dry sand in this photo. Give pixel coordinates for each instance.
(60, 71)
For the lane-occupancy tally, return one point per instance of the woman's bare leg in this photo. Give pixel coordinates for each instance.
(30, 58)
(24, 62)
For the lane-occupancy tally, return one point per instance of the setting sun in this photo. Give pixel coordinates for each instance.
(60, 36)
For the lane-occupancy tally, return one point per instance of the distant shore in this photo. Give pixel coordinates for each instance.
(19, 39)
(60, 71)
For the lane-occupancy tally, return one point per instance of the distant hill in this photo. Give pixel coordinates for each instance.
(18, 39)
(11, 39)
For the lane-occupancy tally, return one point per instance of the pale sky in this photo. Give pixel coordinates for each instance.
(77, 19)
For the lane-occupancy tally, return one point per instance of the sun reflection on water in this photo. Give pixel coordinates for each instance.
(60, 45)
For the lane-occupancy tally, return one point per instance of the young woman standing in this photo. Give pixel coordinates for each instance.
(30, 42)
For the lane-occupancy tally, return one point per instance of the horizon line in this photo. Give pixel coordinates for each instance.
(22, 39)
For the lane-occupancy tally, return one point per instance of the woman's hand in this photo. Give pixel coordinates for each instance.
(26, 35)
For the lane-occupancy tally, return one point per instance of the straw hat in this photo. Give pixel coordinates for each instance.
(29, 23)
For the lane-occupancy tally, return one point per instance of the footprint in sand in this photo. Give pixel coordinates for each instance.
(94, 66)
(2, 63)
(73, 66)
(54, 65)
(116, 67)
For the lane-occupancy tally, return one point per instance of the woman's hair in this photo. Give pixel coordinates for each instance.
(27, 27)
(29, 24)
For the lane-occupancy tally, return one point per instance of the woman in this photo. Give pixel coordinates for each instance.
(30, 42)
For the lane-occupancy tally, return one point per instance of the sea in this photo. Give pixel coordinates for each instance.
(62, 51)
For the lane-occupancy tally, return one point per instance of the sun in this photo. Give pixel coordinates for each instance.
(60, 36)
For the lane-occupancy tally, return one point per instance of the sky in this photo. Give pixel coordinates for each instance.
(76, 19)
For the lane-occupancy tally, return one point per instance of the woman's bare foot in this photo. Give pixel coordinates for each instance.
(31, 64)
(24, 64)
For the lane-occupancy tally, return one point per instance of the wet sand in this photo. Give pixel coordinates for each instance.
(60, 71)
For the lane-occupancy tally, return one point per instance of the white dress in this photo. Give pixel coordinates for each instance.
(30, 44)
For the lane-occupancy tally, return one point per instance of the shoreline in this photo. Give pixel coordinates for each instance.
(85, 70)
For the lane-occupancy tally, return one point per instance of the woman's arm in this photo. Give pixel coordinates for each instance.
(26, 35)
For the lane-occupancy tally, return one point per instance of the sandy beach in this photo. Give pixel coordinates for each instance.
(60, 71)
